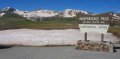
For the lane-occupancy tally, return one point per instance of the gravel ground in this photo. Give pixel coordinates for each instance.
(66, 52)
(34, 37)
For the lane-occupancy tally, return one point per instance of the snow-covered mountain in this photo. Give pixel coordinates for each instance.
(72, 12)
(37, 13)
(48, 13)
(42, 13)
(8, 10)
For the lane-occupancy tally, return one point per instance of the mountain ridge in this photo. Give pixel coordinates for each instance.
(43, 13)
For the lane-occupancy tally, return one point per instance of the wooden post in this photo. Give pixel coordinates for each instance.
(102, 37)
(85, 36)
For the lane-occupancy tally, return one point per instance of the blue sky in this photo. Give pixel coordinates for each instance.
(95, 6)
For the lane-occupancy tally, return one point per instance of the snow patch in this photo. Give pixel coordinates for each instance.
(1, 14)
(34, 37)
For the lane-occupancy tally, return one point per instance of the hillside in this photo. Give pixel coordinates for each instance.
(14, 21)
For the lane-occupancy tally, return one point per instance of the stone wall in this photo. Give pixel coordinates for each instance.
(92, 46)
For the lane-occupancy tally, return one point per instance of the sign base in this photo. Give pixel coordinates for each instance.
(95, 46)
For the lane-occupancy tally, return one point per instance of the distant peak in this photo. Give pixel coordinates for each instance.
(69, 9)
(8, 9)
